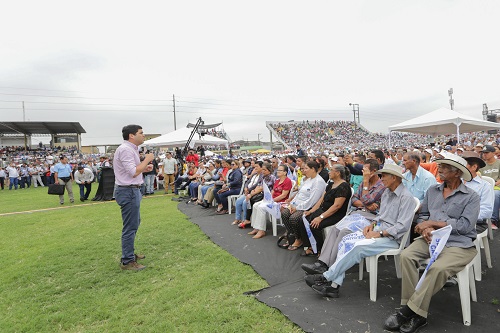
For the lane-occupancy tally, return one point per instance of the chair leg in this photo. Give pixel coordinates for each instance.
(361, 268)
(464, 287)
(373, 264)
(487, 252)
(397, 263)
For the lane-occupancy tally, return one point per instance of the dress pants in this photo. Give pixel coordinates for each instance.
(450, 261)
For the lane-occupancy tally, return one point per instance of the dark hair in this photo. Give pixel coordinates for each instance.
(313, 165)
(268, 167)
(374, 165)
(260, 163)
(285, 167)
(361, 157)
(303, 158)
(80, 168)
(229, 161)
(292, 158)
(379, 154)
(130, 129)
(321, 162)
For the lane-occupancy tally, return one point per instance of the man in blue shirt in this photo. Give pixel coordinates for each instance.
(63, 175)
(416, 179)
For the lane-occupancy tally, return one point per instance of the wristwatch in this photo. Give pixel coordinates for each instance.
(321, 216)
(381, 233)
(365, 188)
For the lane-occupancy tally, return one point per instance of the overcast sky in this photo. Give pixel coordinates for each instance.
(106, 64)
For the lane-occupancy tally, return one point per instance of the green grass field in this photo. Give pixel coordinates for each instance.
(60, 272)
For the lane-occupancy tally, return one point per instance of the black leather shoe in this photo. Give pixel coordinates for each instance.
(317, 267)
(395, 321)
(318, 279)
(326, 290)
(414, 324)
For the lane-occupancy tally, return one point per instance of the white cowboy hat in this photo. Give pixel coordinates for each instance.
(392, 169)
(456, 161)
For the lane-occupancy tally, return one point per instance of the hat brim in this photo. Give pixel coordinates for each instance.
(479, 161)
(391, 172)
(466, 175)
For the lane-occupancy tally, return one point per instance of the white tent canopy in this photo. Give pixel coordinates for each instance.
(179, 138)
(444, 121)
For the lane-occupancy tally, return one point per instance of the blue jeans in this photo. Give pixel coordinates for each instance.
(129, 200)
(336, 273)
(13, 181)
(88, 187)
(149, 182)
(241, 208)
(193, 189)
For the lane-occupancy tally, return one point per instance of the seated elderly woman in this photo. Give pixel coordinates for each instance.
(182, 181)
(208, 180)
(309, 193)
(233, 186)
(329, 210)
(280, 191)
(257, 194)
(248, 191)
(220, 178)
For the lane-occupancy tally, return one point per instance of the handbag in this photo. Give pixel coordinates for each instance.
(56, 189)
(256, 198)
(290, 239)
(219, 183)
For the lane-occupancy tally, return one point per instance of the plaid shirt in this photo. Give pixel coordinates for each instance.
(373, 195)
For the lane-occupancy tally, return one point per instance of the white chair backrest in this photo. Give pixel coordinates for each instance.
(489, 180)
(404, 240)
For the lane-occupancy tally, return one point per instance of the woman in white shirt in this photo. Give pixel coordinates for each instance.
(310, 191)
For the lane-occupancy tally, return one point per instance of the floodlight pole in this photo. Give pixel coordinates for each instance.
(452, 101)
(175, 122)
(355, 110)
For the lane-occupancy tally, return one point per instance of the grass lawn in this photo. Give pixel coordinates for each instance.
(60, 272)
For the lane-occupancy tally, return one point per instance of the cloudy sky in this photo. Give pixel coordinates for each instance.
(106, 64)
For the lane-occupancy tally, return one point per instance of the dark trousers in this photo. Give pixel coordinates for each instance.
(88, 188)
(129, 199)
(2, 180)
(222, 198)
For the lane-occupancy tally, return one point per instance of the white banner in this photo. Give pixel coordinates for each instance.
(312, 240)
(348, 243)
(439, 239)
(268, 203)
(353, 222)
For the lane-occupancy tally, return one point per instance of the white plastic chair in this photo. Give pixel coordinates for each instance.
(231, 200)
(372, 261)
(467, 289)
(481, 241)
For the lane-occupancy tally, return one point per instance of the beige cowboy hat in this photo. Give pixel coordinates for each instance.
(392, 169)
(456, 161)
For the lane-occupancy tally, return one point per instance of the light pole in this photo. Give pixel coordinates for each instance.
(452, 101)
(355, 110)
(258, 137)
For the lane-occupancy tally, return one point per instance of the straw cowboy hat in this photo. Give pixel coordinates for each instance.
(392, 169)
(458, 162)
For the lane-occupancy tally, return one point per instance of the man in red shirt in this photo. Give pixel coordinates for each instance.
(192, 157)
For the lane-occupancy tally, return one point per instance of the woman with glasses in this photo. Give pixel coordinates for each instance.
(280, 191)
(257, 194)
(329, 210)
(309, 193)
(233, 186)
(248, 191)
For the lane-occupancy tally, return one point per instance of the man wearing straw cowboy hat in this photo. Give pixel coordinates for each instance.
(393, 221)
(448, 204)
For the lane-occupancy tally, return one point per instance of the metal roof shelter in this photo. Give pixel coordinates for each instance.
(53, 128)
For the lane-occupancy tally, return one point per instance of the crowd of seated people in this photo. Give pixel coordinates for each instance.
(384, 200)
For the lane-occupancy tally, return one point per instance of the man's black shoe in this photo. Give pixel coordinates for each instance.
(395, 321)
(414, 324)
(82, 199)
(326, 290)
(317, 267)
(318, 279)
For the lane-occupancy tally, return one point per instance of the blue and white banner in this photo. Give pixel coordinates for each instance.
(439, 239)
(312, 240)
(353, 222)
(348, 243)
(292, 176)
(268, 203)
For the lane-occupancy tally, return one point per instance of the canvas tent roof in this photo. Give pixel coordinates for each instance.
(444, 121)
(180, 137)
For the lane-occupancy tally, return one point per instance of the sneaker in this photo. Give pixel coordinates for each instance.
(132, 266)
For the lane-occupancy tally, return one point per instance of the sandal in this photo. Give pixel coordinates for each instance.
(244, 225)
(294, 247)
(307, 253)
(235, 222)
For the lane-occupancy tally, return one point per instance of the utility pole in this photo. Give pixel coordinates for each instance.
(175, 122)
(355, 110)
(25, 138)
(258, 137)
(452, 101)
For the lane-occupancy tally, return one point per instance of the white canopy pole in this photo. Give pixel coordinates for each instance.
(458, 133)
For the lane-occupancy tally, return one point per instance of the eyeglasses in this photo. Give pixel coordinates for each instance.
(233, 164)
